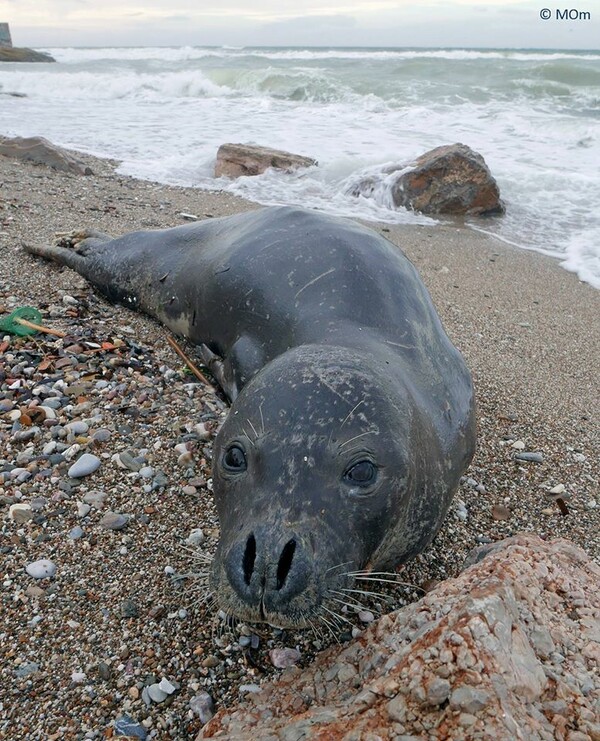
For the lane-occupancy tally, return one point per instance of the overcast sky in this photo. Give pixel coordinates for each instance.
(455, 23)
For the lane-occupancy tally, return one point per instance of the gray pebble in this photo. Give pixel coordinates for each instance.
(76, 533)
(128, 461)
(84, 465)
(26, 669)
(127, 726)
(203, 706)
(160, 480)
(156, 694)
(20, 513)
(77, 428)
(114, 521)
(530, 457)
(95, 499)
(83, 509)
(129, 609)
(104, 670)
(284, 657)
(102, 436)
(169, 687)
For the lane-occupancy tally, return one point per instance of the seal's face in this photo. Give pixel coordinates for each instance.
(310, 471)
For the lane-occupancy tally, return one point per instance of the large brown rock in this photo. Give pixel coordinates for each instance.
(42, 152)
(508, 650)
(452, 179)
(235, 160)
(22, 54)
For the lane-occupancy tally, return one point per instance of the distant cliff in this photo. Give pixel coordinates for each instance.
(10, 53)
(22, 54)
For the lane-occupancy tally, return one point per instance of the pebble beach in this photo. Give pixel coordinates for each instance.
(105, 463)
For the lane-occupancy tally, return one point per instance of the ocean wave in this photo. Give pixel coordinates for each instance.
(535, 122)
(114, 85)
(74, 55)
(180, 54)
(269, 83)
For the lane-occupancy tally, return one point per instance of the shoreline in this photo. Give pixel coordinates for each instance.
(524, 324)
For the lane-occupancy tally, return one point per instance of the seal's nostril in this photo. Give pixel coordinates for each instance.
(249, 558)
(285, 563)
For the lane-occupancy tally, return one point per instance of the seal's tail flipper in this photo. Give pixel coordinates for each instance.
(70, 249)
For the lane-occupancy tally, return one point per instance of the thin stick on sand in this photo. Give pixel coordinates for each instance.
(199, 375)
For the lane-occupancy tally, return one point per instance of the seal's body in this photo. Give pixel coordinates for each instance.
(352, 413)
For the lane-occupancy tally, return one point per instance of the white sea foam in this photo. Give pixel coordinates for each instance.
(535, 116)
(185, 53)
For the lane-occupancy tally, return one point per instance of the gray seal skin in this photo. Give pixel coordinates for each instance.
(352, 414)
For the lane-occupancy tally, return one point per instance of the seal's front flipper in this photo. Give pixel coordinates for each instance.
(245, 358)
(218, 368)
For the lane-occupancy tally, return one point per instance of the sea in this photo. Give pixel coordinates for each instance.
(163, 112)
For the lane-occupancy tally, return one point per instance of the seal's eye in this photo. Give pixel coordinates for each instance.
(362, 473)
(234, 459)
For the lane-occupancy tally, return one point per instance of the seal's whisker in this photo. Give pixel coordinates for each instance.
(337, 616)
(362, 434)
(328, 625)
(395, 582)
(315, 629)
(355, 606)
(367, 572)
(262, 419)
(351, 412)
(339, 566)
(250, 440)
(367, 593)
(207, 599)
(195, 552)
(256, 435)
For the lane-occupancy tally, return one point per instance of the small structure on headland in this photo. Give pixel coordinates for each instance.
(10, 53)
(5, 40)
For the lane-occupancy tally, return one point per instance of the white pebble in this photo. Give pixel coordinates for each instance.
(166, 686)
(42, 569)
(196, 537)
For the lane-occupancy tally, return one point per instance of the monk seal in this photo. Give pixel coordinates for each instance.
(352, 415)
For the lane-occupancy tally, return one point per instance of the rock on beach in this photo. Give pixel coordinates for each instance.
(502, 651)
(40, 151)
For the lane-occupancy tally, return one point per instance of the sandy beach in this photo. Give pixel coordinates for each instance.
(76, 651)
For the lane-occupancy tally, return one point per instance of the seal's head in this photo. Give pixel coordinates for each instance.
(315, 475)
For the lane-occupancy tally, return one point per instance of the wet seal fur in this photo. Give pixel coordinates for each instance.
(352, 415)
